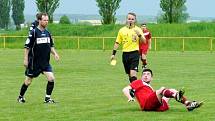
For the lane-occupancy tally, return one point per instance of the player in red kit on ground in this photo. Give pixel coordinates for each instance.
(144, 47)
(156, 100)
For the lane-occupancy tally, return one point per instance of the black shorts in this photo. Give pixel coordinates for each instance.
(36, 71)
(130, 61)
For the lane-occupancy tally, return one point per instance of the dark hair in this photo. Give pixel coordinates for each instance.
(148, 70)
(37, 16)
(40, 15)
(143, 24)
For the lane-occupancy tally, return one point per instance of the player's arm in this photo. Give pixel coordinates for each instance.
(140, 35)
(150, 45)
(55, 54)
(26, 51)
(53, 51)
(150, 41)
(142, 38)
(28, 44)
(126, 92)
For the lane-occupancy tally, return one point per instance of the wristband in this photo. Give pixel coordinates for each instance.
(114, 52)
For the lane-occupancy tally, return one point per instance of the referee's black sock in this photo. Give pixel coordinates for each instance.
(49, 87)
(133, 78)
(23, 89)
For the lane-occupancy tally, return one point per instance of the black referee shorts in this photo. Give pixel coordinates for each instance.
(130, 61)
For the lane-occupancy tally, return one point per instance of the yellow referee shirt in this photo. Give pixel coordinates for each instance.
(128, 38)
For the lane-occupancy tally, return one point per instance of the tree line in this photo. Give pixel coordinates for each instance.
(18, 6)
(174, 11)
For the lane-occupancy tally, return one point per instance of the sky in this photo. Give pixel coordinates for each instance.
(195, 8)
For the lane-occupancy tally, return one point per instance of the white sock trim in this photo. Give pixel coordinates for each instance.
(48, 96)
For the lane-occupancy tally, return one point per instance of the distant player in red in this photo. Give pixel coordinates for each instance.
(156, 100)
(144, 47)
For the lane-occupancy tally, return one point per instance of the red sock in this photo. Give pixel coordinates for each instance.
(144, 62)
(167, 93)
(183, 101)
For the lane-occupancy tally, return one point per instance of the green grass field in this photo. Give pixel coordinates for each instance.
(88, 88)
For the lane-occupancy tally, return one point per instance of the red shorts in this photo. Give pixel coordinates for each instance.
(153, 104)
(143, 50)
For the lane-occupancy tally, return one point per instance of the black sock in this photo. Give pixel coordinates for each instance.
(49, 87)
(144, 62)
(23, 89)
(133, 78)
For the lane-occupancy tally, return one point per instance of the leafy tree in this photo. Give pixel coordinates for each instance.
(17, 12)
(48, 6)
(64, 20)
(174, 11)
(4, 13)
(107, 9)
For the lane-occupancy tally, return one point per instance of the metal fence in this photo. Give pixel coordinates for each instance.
(186, 39)
(155, 41)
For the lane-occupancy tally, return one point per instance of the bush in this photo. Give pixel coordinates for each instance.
(64, 20)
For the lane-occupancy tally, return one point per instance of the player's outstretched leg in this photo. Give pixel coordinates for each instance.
(179, 95)
(193, 105)
(190, 105)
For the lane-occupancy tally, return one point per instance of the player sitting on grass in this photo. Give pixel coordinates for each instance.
(156, 100)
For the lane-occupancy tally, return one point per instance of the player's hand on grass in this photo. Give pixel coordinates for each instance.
(131, 100)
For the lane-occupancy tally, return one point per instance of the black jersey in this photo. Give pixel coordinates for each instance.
(33, 25)
(39, 44)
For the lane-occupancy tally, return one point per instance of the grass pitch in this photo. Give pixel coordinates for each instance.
(88, 88)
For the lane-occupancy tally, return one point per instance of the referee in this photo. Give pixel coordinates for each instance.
(38, 47)
(129, 37)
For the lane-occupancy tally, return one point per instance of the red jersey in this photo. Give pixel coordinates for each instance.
(148, 36)
(142, 91)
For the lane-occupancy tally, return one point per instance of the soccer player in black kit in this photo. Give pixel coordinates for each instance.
(37, 51)
(35, 23)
